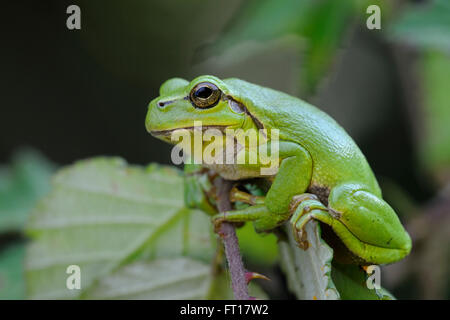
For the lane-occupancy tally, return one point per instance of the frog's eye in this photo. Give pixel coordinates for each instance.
(205, 95)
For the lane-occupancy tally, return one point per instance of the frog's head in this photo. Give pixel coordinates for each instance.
(206, 99)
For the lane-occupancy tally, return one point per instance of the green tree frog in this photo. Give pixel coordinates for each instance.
(322, 174)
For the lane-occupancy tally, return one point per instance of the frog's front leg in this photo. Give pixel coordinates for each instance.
(364, 222)
(293, 177)
(198, 189)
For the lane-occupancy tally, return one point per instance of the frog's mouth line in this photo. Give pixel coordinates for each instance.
(167, 133)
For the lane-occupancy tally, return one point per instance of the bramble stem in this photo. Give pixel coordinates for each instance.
(231, 243)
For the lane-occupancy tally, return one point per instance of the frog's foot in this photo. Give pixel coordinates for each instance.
(251, 213)
(241, 196)
(296, 200)
(303, 208)
(262, 218)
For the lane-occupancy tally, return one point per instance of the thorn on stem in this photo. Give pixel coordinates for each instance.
(249, 276)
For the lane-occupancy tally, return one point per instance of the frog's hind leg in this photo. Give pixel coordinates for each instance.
(367, 225)
(356, 238)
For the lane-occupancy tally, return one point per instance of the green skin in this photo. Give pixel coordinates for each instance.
(322, 173)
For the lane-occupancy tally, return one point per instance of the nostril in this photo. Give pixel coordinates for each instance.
(162, 104)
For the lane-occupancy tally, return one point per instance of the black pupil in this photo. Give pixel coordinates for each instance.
(203, 92)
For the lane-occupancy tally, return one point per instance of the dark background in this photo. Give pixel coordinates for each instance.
(74, 94)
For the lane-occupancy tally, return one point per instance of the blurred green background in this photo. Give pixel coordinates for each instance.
(73, 94)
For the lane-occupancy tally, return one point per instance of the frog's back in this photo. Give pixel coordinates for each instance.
(336, 157)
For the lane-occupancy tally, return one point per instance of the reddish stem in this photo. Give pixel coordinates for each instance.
(231, 243)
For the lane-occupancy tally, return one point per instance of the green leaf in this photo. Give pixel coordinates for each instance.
(12, 285)
(318, 28)
(312, 274)
(258, 248)
(323, 28)
(308, 271)
(425, 26)
(178, 278)
(21, 185)
(435, 143)
(265, 19)
(174, 279)
(350, 280)
(102, 215)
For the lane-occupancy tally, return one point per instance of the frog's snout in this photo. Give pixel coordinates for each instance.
(151, 117)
